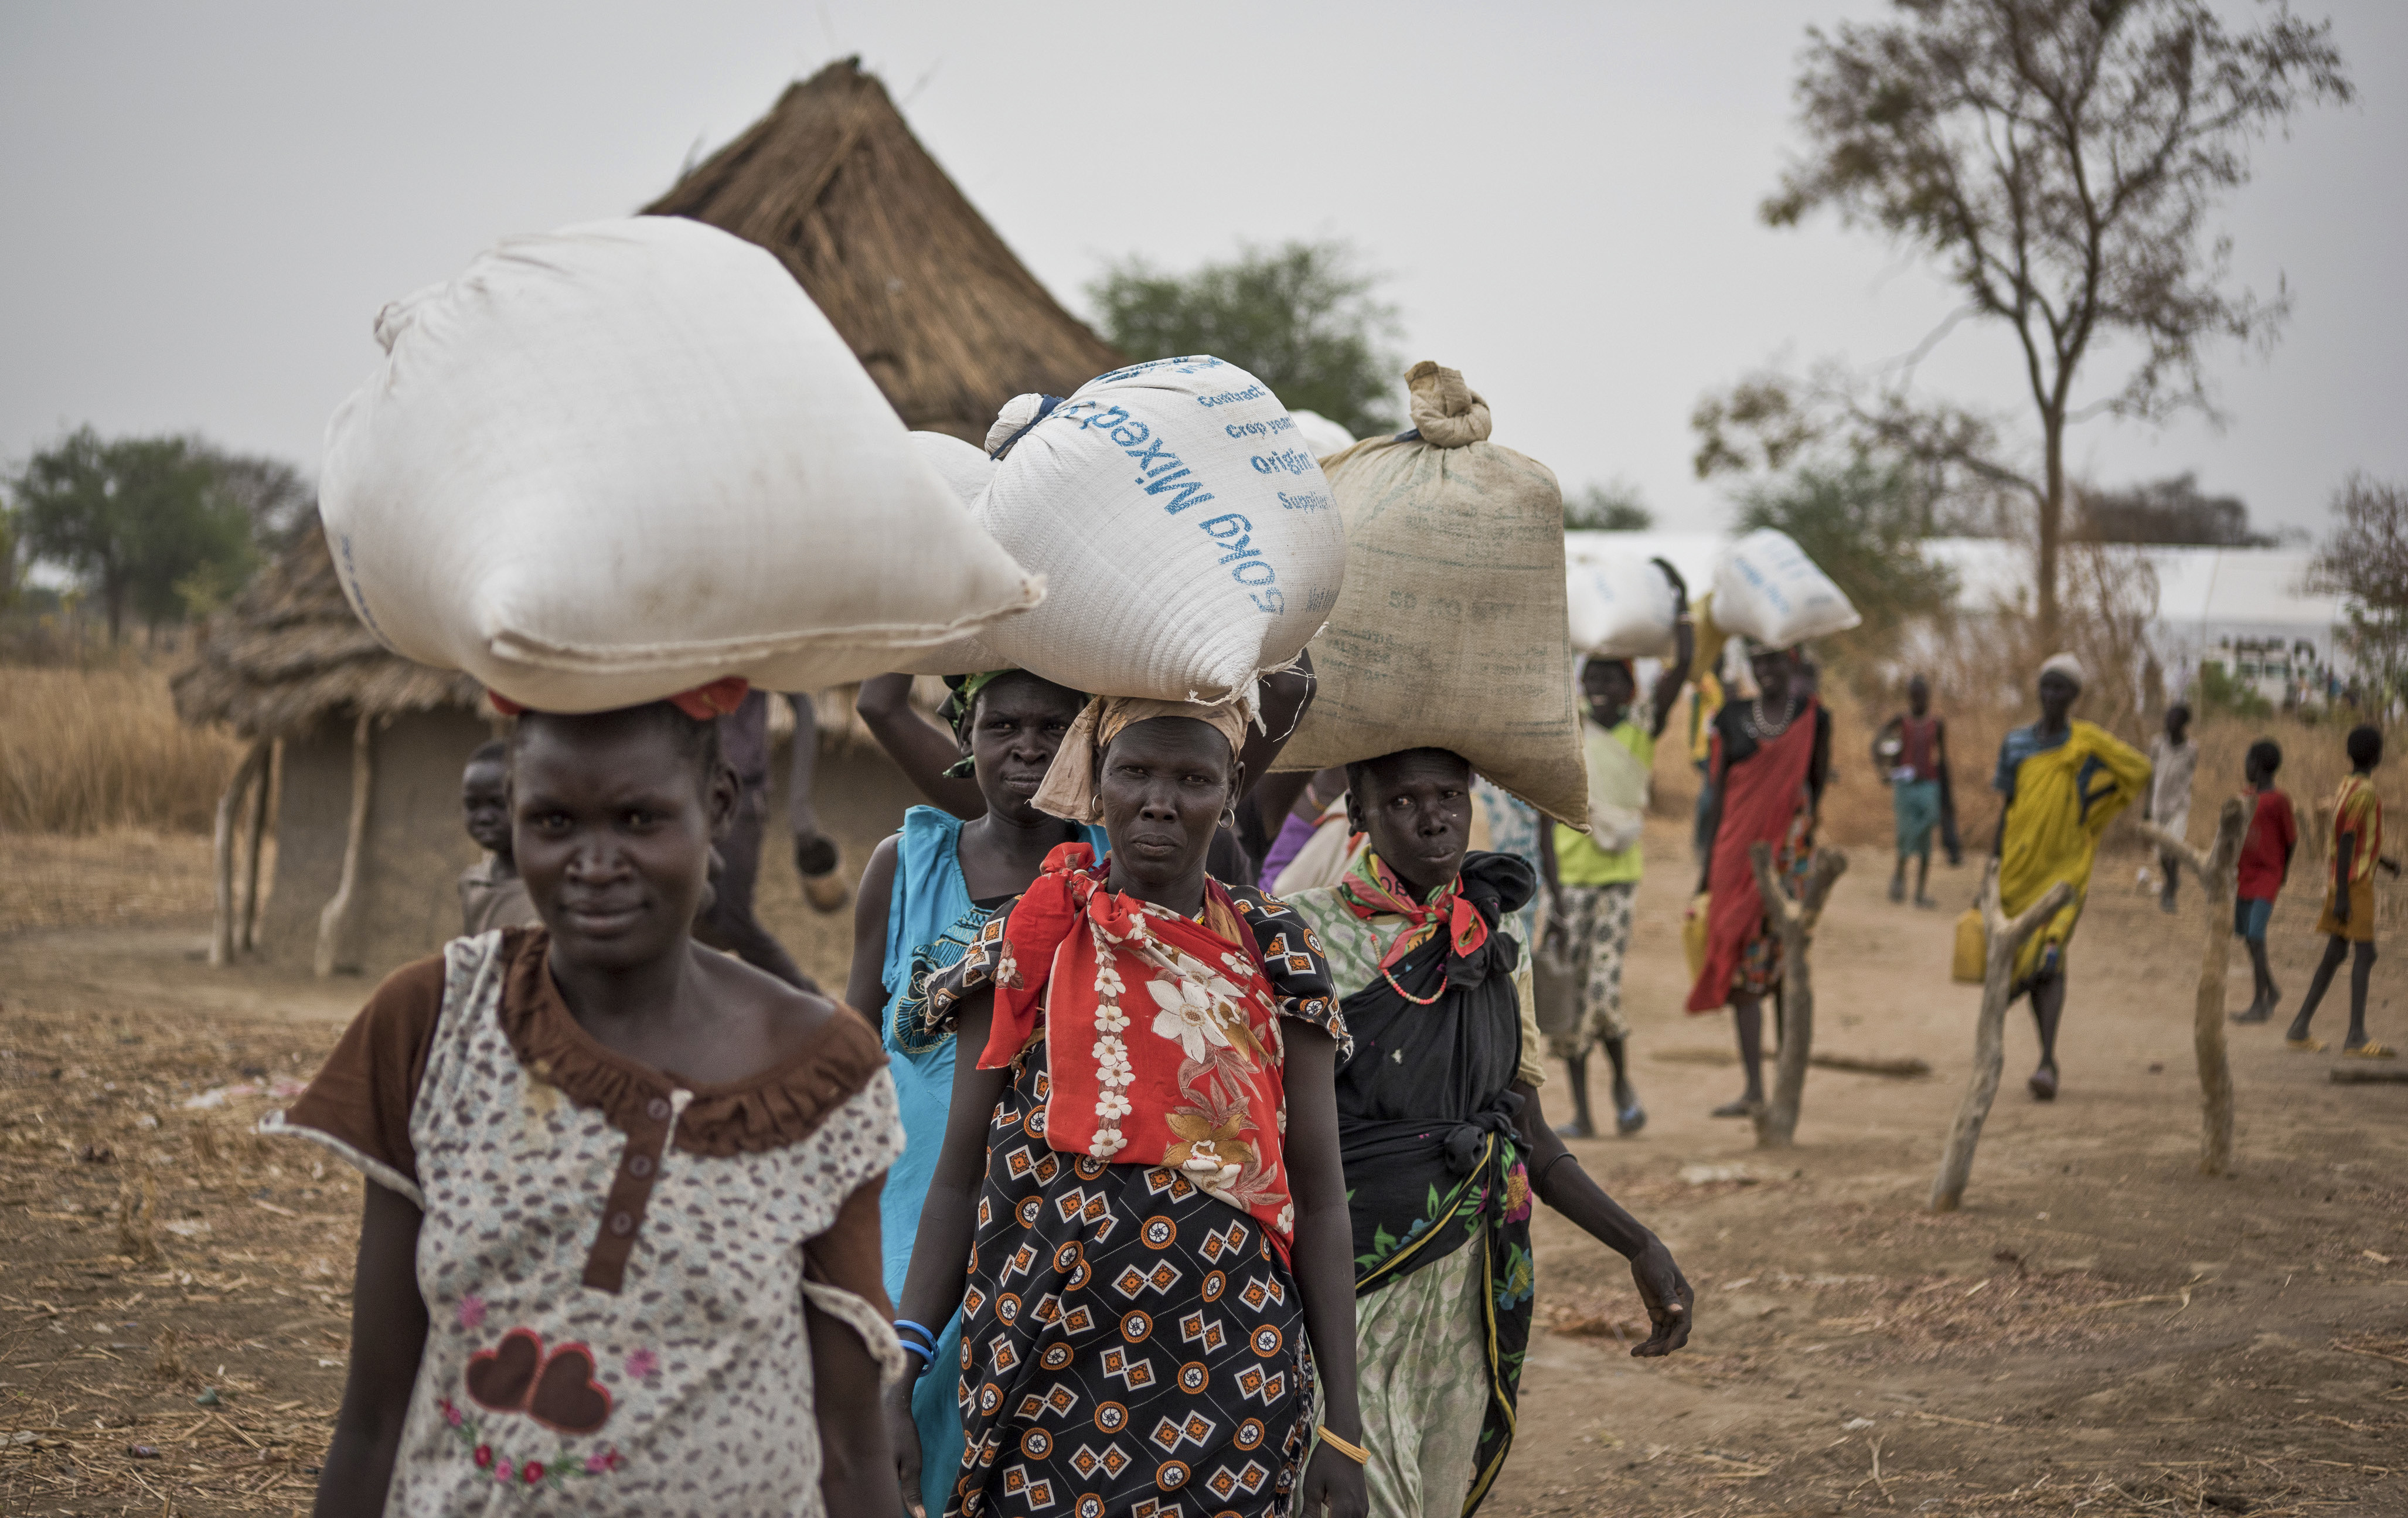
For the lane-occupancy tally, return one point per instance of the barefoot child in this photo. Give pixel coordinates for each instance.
(2348, 920)
(2265, 865)
(2173, 760)
(491, 895)
(619, 1252)
(1912, 751)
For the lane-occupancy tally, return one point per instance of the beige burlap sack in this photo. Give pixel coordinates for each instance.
(1450, 631)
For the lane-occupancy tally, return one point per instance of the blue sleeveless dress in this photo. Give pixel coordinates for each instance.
(930, 923)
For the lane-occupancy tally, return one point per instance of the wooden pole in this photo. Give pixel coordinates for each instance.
(2006, 940)
(333, 921)
(247, 932)
(2217, 870)
(222, 923)
(1793, 922)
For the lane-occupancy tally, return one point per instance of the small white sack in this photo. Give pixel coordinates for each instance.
(1619, 606)
(1320, 435)
(611, 462)
(1189, 537)
(1768, 589)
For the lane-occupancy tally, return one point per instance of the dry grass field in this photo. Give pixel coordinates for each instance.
(85, 750)
(2099, 1331)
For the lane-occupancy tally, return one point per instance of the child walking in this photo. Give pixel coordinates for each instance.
(618, 1252)
(2265, 865)
(2348, 920)
(491, 892)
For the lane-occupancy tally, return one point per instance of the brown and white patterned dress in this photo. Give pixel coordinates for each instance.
(612, 1259)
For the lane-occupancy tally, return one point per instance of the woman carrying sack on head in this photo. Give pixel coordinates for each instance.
(926, 895)
(1769, 760)
(1139, 1208)
(618, 1250)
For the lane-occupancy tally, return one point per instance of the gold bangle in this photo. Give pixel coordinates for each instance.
(1355, 1452)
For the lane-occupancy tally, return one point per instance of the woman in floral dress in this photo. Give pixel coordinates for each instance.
(1138, 1207)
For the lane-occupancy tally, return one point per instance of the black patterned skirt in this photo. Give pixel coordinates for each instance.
(1129, 1344)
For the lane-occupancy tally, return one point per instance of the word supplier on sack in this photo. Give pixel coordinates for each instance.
(1162, 472)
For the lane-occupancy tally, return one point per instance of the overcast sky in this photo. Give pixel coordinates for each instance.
(205, 204)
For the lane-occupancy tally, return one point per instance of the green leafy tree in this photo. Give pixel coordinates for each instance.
(1862, 524)
(2365, 560)
(1615, 507)
(1303, 318)
(140, 521)
(2059, 161)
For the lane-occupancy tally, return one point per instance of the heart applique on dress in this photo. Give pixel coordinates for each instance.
(558, 1390)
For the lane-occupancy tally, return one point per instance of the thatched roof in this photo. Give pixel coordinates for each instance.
(934, 305)
(290, 653)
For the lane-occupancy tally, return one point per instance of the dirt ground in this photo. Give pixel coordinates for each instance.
(2100, 1330)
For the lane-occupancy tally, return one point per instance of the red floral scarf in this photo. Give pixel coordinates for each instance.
(1162, 1036)
(1370, 889)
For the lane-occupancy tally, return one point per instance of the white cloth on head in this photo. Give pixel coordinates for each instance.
(2068, 665)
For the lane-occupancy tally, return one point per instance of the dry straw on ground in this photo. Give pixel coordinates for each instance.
(86, 749)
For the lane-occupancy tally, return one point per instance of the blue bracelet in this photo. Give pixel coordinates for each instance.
(927, 1338)
(917, 1348)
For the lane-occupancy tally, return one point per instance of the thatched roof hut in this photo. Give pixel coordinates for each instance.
(290, 653)
(359, 749)
(944, 318)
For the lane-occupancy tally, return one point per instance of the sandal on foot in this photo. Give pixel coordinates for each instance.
(2370, 1051)
(1629, 1120)
(2043, 1084)
(2254, 1014)
(2305, 1046)
(1741, 1108)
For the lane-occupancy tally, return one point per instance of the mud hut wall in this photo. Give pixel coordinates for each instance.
(409, 900)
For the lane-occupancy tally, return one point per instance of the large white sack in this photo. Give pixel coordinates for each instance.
(1451, 631)
(1767, 589)
(1618, 605)
(609, 463)
(1189, 540)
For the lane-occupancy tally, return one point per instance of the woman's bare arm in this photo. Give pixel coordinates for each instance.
(1563, 1186)
(921, 748)
(940, 1252)
(857, 1469)
(1324, 1258)
(388, 1335)
(864, 987)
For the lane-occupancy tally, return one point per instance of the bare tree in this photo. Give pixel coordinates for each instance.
(2059, 159)
(2366, 560)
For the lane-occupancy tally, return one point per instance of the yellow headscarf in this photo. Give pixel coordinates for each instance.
(1069, 788)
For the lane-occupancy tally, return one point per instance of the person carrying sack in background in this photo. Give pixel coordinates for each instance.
(1593, 874)
(1445, 1142)
(1772, 759)
(2063, 781)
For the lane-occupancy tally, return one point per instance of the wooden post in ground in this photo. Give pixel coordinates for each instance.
(2005, 940)
(222, 929)
(2217, 870)
(335, 919)
(1793, 922)
(247, 930)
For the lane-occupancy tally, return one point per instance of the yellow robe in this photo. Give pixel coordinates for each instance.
(2064, 800)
